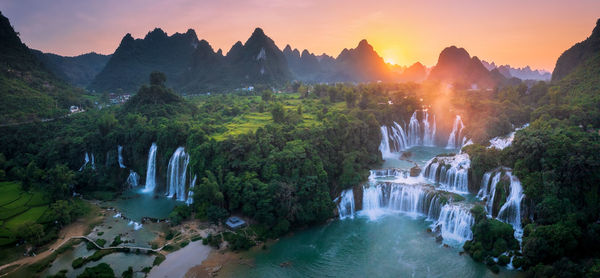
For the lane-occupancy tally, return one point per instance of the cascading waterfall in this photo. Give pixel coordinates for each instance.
(86, 160)
(450, 172)
(151, 169)
(176, 174)
(485, 181)
(428, 132)
(190, 197)
(455, 223)
(501, 142)
(414, 131)
(414, 200)
(489, 205)
(455, 141)
(133, 179)
(510, 212)
(120, 151)
(346, 204)
(395, 138)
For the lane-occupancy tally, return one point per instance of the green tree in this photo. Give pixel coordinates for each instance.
(157, 78)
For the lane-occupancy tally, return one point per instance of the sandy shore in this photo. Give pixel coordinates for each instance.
(180, 261)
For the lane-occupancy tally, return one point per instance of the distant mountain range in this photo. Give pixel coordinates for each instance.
(79, 70)
(193, 66)
(525, 73)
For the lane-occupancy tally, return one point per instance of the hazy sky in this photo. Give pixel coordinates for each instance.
(515, 32)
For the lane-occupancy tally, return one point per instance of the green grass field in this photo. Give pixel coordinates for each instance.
(18, 207)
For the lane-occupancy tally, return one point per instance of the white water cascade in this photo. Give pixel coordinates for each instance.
(176, 174)
(456, 138)
(510, 212)
(383, 198)
(86, 160)
(451, 173)
(133, 179)
(151, 169)
(346, 204)
(190, 196)
(396, 138)
(414, 131)
(501, 142)
(120, 151)
(455, 223)
(428, 131)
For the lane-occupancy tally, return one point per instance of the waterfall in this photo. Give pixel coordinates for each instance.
(428, 131)
(93, 161)
(395, 138)
(501, 142)
(384, 146)
(133, 179)
(383, 198)
(510, 212)
(176, 174)
(454, 140)
(414, 131)
(120, 151)
(86, 160)
(485, 181)
(489, 205)
(151, 170)
(387, 173)
(190, 197)
(455, 223)
(346, 204)
(451, 173)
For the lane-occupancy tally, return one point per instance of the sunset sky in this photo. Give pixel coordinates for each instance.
(511, 32)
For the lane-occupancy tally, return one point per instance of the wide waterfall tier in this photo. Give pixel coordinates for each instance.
(151, 169)
(450, 173)
(346, 207)
(416, 200)
(501, 182)
(120, 158)
(177, 173)
(454, 223)
(456, 139)
(396, 137)
(133, 180)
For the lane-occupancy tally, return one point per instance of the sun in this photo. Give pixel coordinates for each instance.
(389, 60)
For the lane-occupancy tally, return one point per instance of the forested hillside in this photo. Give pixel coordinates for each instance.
(28, 91)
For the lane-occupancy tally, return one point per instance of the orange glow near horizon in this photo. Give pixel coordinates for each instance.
(512, 32)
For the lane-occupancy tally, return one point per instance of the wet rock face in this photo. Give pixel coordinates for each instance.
(415, 171)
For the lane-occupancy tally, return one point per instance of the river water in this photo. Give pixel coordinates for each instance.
(392, 245)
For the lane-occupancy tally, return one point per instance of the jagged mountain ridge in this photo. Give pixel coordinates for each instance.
(192, 65)
(525, 73)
